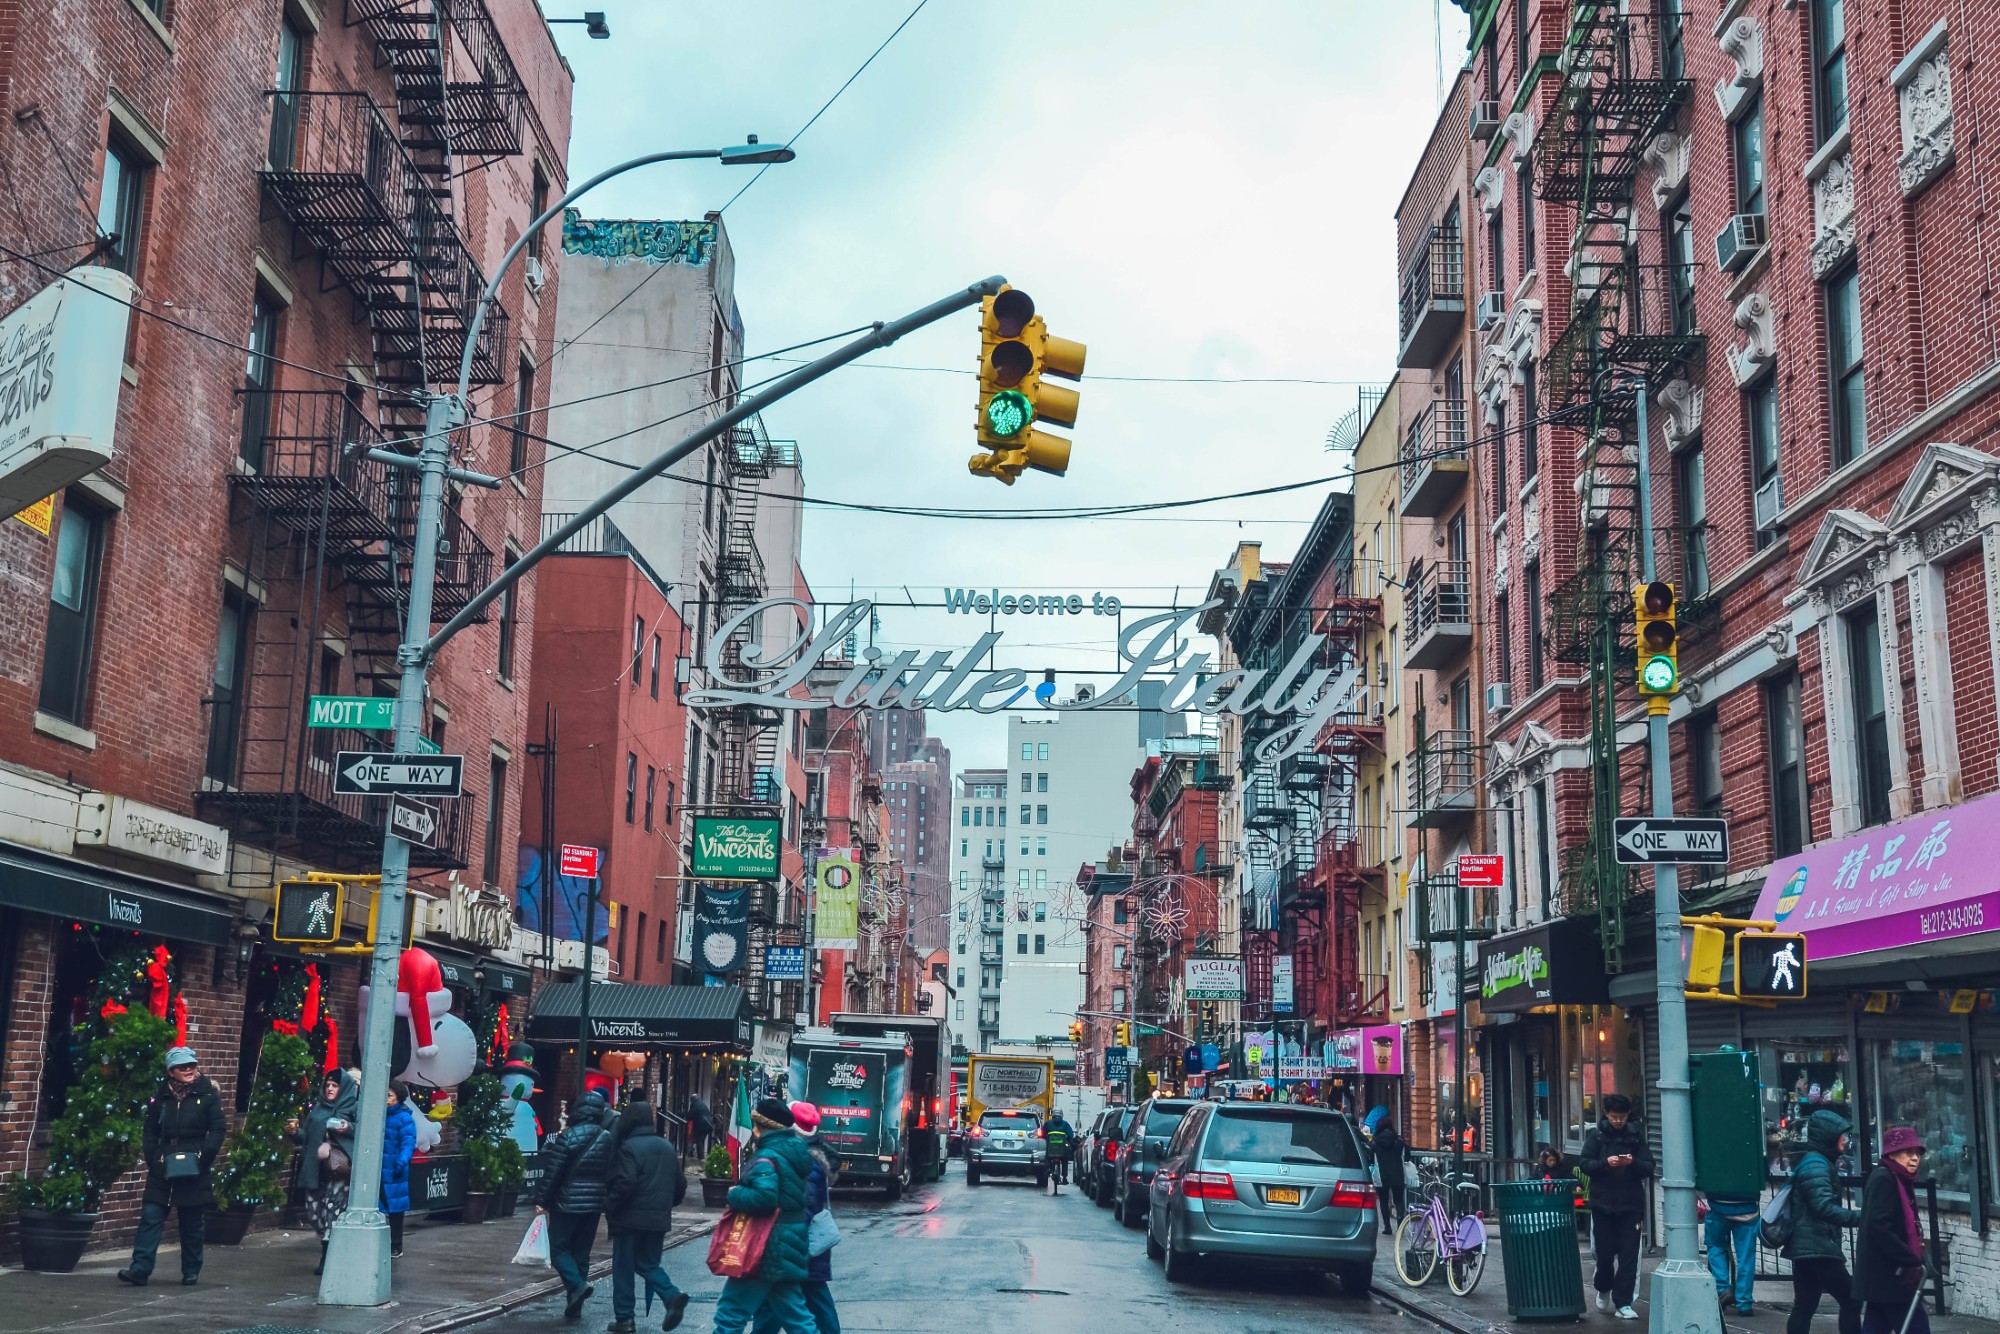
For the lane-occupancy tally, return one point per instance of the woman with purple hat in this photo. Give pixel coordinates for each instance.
(1889, 1262)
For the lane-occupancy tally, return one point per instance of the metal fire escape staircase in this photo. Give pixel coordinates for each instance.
(748, 774)
(1349, 868)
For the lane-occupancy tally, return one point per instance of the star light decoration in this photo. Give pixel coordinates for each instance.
(1164, 913)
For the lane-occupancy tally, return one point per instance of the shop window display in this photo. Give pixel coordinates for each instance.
(1590, 1036)
(1925, 1084)
(1807, 1076)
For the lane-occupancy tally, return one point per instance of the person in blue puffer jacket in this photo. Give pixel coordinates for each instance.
(817, 1290)
(399, 1142)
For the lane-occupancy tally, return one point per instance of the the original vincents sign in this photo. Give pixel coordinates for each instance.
(1306, 698)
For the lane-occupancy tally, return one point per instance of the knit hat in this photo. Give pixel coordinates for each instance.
(805, 1116)
(772, 1112)
(182, 1056)
(1898, 1138)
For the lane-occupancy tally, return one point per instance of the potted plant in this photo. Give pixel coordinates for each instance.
(493, 1160)
(250, 1172)
(718, 1174)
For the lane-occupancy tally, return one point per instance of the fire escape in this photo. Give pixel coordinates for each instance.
(1350, 856)
(1632, 328)
(329, 531)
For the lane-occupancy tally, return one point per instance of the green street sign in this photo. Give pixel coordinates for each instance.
(1147, 1031)
(734, 849)
(363, 713)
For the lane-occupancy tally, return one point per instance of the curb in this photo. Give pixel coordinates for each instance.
(1423, 1310)
(459, 1317)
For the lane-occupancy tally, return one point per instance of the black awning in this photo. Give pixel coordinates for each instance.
(504, 979)
(64, 887)
(639, 1013)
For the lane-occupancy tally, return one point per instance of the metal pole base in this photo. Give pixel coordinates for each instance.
(1683, 1300)
(357, 1260)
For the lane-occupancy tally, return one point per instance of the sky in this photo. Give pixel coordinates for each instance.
(1196, 194)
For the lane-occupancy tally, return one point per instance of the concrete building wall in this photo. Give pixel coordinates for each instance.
(978, 853)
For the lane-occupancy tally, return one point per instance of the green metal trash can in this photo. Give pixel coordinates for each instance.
(1538, 1248)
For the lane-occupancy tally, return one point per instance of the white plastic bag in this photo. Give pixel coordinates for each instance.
(534, 1248)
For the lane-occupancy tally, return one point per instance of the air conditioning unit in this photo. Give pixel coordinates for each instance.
(1739, 242)
(1492, 309)
(1499, 697)
(533, 274)
(1770, 499)
(1485, 120)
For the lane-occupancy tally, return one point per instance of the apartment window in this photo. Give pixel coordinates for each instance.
(631, 786)
(1118, 999)
(965, 817)
(660, 940)
(121, 201)
(1531, 589)
(258, 375)
(1545, 846)
(1041, 882)
(1118, 912)
(965, 847)
(1041, 846)
(1843, 354)
(72, 611)
(1027, 782)
(518, 430)
(1117, 956)
(653, 670)
(1041, 750)
(1042, 909)
(1021, 882)
(1499, 457)
(1524, 190)
(639, 951)
(1705, 762)
(1689, 477)
(324, 739)
(1524, 37)
(1871, 715)
(652, 776)
(1673, 40)
(1678, 228)
(1027, 750)
(1041, 943)
(496, 804)
(1041, 815)
(1025, 814)
(638, 646)
(1496, 251)
(1786, 748)
(509, 626)
(1829, 43)
(1531, 429)
(1021, 943)
(694, 769)
(538, 203)
(1503, 640)
(285, 94)
(1760, 406)
(1747, 139)
(225, 691)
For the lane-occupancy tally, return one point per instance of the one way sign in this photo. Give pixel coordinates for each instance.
(414, 821)
(362, 773)
(1652, 839)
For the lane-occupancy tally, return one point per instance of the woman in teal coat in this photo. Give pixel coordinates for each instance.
(774, 1182)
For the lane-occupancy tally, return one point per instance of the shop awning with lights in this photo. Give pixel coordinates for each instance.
(643, 1014)
(79, 892)
(505, 980)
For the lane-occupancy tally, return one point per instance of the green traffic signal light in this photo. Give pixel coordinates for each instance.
(1009, 413)
(1659, 674)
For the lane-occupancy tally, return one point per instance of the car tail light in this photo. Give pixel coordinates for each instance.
(1209, 1186)
(1347, 1195)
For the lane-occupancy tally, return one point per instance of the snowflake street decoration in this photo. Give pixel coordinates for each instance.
(1164, 913)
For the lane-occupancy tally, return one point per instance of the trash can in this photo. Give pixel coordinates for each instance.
(1544, 1269)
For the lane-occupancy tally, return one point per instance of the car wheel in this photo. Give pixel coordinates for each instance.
(1154, 1251)
(1180, 1266)
(1102, 1196)
(972, 1174)
(1130, 1215)
(1355, 1277)
(894, 1190)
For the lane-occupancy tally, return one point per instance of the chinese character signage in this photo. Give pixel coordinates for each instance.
(785, 963)
(733, 849)
(837, 905)
(1215, 979)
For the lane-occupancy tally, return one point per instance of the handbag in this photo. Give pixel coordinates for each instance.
(182, 1165)
(338, 1165)
(822, 1234)
(737, 1246)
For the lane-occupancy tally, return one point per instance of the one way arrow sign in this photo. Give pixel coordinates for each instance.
(1653, 839)
(361, 773)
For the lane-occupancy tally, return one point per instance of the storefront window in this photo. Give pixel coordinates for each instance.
(1538, 1097)
(1591, 1034)
(1923, 1084)
(1810, 1075)
(1446, 1066)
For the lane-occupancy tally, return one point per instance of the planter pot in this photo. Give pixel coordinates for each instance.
(53, 1243)
(226, 1227)
(715, 1192)
(478, 1205)
(508, 1198)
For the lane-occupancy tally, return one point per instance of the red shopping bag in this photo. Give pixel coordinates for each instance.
(736, 1247)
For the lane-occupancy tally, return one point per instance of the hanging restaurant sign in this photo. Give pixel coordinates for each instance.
(733, 849)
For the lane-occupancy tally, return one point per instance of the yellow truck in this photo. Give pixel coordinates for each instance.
(1006, 1083)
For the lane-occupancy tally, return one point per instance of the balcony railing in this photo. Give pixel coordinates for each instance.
(307, 458)
(1444, 908)
(1434, 460)
(339, 176)
(1362, 999)
(1437, 613)
(1443, 779)
(1432, 309)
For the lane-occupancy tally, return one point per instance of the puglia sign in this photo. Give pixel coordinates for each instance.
(1304, 697)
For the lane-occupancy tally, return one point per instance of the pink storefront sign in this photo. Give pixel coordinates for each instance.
(1374, 1050)
(1924, 879)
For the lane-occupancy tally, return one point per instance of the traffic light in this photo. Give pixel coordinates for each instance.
(1076, 1032)
(1656, 613)
(1124, 1034)
(1771, 965)
(1704, 956)
(1016, 351)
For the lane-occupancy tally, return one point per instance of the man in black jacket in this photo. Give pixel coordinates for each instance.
(1619, 1164)
(646, 1183)
(183, 1129)
(575, 1167)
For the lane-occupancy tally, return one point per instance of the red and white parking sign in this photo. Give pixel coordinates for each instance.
(578, 860)
(1482, 870)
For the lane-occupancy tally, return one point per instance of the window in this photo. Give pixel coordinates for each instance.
(1829, 34)
(1041, 750)
(631, 785)
(1786, 748)
(1021, 943)
(509, 626)
(518, 429)
(965, 847)
(1021, 882)
(1041, 944)
(1843, 355)
(1871, 717)
(285, 94)
(1500, 439)
(1673, 40)
(653, 670)
(1118, 998)
(652, 777)
(1027, 750)
(1524, 190)
(961, 979)
(965, 817)
(538, 203)
(1041, 879)
(225, 691)
(1041, 815)
(1503, 639)
(258, 374)
(638, 646)
(1041, 909)
(1531, 429)
(1496, 251)
(72, 611)
(660, 940)
(1041, 846)
(1677, 227)
(1041, 782)
(1524, 38)
(496, 805)
(1024, 814)
(1027, 781)
(121, 201)
(325, 739)
(1747, 139)
(1118, 956)
(1760, 406)
(1118, 911)
(1705, 762)
(1694, 522)
(1531, 589)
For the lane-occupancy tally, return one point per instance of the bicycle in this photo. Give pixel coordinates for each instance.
(1436, 1232)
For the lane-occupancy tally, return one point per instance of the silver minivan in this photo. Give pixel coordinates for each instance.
(1267, 1183)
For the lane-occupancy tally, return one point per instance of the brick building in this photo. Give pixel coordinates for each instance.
(916, 794)
(273, 180)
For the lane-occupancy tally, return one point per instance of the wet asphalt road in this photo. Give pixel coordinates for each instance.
(1003, 1259)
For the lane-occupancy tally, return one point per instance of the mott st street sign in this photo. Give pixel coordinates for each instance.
(1648, 840)
(363, 773)
(362, 713)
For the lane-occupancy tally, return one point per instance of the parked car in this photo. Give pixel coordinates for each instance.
(1101, 1163)
(1139, 1152)
(1007, 1143)
(1267, 1183)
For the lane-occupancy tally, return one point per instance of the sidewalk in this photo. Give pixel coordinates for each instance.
(1485, 1311)
(450, 1275)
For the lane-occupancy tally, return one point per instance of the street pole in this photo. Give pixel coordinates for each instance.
(583, 997)
(1683, 1300)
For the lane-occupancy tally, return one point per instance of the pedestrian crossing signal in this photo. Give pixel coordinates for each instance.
(1770, 966)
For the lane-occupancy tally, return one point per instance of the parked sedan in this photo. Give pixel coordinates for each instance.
(1083, 1155)
(1139, 1154)
(1102, 1164)
(1006, 1143)
(1267, 1183)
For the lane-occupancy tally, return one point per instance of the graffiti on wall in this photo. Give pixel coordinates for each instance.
(654, 242)
(570, 894)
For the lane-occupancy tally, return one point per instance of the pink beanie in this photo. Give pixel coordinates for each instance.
(806, 1116)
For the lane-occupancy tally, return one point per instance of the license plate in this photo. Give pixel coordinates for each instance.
(1281, 1195)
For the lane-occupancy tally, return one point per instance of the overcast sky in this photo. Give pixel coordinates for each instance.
(1193, 192)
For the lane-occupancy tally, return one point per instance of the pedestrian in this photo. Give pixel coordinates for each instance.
(1730, 1234)
(575, 1167)
(326, 1143)
(774, 1182)
(817, 1290)
(183, 1129)
(1819, 1211)
(399, 1145)
(647, 1181)
(1392, 1158)
(1889, 1262)
(1619, 1164)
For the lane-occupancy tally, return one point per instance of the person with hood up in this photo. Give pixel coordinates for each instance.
(775, 1181)
(1889, 1262)
(1819, 1211)
(183, 1129)
(647, 1181)
(327, 1143)
(817, 1289)
(399, 1145)
(1619, 1164)
(1391, 1155)
(575, 1167)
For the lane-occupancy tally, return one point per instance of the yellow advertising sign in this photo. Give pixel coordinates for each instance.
(837, 906)
(40, 516)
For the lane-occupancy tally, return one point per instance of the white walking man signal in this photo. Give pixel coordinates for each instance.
(1782, 964)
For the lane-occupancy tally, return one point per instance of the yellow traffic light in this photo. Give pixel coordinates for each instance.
(1705, 949)
(1075, 1031)
(1124, 1034)
(1656, 615)
(1016, 351)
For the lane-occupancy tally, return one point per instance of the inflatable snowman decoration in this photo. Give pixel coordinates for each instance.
(433, 1047)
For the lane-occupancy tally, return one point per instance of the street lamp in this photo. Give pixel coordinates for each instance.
(593, 23)
(357, 1268)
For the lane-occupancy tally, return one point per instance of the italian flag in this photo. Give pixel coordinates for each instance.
(739, 1124)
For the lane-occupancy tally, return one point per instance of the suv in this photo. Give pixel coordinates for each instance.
(1102, 1162)
(1268, 1183)
(1140, 1150)
(1006, 1143)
